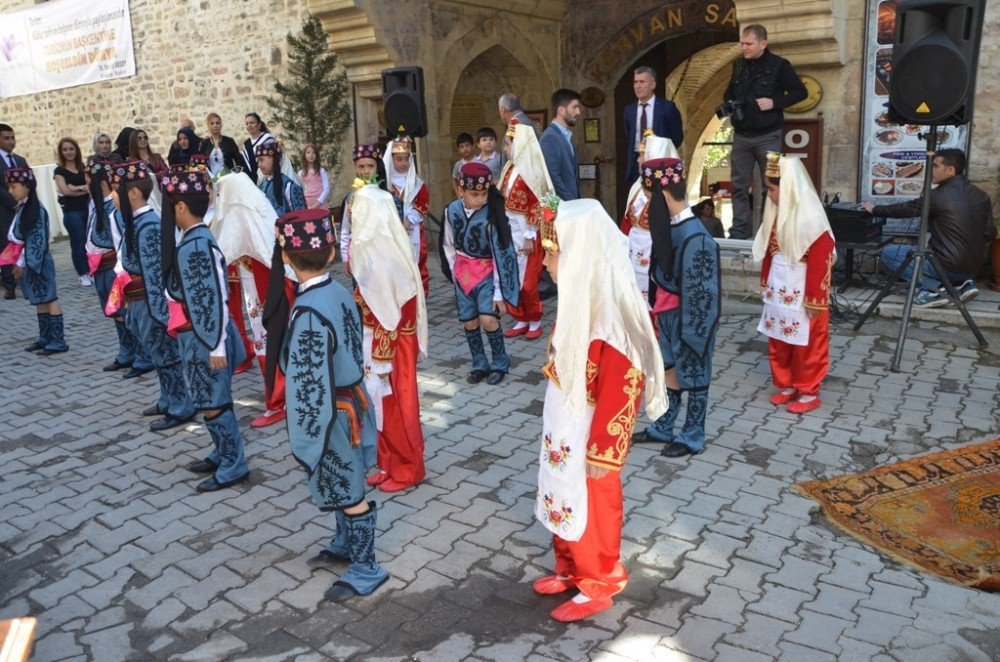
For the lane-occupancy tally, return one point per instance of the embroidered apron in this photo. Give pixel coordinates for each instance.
(640, 245)
(784, 317)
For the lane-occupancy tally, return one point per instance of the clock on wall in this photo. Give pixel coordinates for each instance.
(814, 95)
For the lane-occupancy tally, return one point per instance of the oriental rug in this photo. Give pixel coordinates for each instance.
(938, 512)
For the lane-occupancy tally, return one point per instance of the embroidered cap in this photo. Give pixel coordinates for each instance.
(304, 230)
(402, 145)
(24, 176)
(475, 176)
(372, 151)
(773, 171)
(198, 159)
(667, 171)
(130, 171)
(192, 181)
(269, 148)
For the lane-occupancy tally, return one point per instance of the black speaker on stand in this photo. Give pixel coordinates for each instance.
(403, 101)
(933, 82)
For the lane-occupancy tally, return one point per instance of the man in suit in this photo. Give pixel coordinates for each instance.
(511, 109)
(8, 159)
(557, 144)
(649, 112)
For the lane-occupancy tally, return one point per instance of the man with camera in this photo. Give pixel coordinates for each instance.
(761, 87)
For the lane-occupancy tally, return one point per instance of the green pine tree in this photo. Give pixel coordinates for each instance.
(313, 105)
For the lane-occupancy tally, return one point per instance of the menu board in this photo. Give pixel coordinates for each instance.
(892, 155)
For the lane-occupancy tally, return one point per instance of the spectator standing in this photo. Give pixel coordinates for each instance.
(511, 109)
(122, 142)
(187, 144)
(705, 211)
(315, 179)
(649, 112)
(73, 198)
(557, 144)
(222, 151)
(259, 135)
(8, 204)
(761, 87)
(172, 153)
(104, 149)
(486, 138)
(139, 150)
(464, 145)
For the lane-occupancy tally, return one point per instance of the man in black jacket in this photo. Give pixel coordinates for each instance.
(960, 227)
(761, 87)
(8, 205)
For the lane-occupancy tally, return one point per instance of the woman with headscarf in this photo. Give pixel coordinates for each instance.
(602, 354)
(187, 144)
(122, 142)
(104, 149)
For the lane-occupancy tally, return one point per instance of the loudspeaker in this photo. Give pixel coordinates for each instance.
(934, 60)
(403, 101)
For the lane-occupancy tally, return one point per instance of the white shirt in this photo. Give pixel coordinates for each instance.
(683, 216)
(638, 118)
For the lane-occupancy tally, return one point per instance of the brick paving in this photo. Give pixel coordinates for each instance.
(104, 539)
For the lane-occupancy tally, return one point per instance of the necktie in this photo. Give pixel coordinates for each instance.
(643, 123)
(10, 160)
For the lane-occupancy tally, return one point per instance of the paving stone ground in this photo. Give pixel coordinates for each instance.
(103, 538)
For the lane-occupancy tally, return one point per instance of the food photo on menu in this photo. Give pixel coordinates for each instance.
(887, 21)
(883, 187)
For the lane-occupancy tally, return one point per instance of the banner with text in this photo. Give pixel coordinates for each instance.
(64, 43)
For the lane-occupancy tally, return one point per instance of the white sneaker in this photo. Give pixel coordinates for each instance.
(86, 281)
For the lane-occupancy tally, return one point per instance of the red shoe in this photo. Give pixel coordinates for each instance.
(782, 398)
(265, 419)
(377, 478)
(799, 407)
(246, 365)
(570, 611)
(390, 485)
(551, 585)
(533, 334)
(514, 332)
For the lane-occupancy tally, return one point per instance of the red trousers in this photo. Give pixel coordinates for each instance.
(802, 367)
(593, 563)
(425, 276)
(401, 441)
(529, 308)
(274, 399)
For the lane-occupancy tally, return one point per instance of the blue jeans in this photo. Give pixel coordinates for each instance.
(893, 256)
(76, 227)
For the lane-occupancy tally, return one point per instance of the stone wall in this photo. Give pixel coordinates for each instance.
(192, 58)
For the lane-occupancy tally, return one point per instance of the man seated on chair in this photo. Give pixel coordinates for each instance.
(960, 227)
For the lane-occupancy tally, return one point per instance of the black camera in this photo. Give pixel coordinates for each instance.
(734, 108)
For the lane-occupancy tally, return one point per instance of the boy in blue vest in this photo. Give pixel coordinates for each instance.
(332, 430)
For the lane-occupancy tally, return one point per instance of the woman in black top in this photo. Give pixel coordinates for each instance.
(258, 136)
(222, 151)
(186, 146)
(73, 198)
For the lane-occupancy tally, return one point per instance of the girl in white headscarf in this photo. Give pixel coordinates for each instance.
(602, 354)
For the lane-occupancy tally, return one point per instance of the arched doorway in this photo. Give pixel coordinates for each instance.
(695, 62)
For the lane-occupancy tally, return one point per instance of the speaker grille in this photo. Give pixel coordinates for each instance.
(930, 83)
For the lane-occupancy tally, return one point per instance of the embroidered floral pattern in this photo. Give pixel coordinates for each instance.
(560, 516)
(555, 453)
(789, 296)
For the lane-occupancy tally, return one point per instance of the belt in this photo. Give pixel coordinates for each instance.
(135, 290)
(352, 401)
(108, 261)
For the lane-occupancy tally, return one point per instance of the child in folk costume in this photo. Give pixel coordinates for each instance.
(103, 257)
(523, 183)
(635, 222)
(796, 245)
(322, 354)
(685, 294)
(391, 298)
(28, 238)
(283, 193)
(146, 312)
(479, 253)
(243, 225)
(368, 167)
(405, 185)
(195, 275)
(602, 353)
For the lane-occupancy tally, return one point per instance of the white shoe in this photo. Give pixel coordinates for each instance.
(86, 281)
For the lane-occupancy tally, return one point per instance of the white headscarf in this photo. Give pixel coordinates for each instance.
(656, 148)
(526, 155)
(600, 300)
(800, 216)
(382, 260)
(243, 221)
(413, 183)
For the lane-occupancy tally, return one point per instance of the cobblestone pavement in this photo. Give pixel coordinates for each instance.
(103, 538)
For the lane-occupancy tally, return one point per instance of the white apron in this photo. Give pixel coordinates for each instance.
(784, 317)
(561, 503)
(375, 385)
(640, 245)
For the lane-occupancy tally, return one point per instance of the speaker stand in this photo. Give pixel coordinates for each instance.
(917, 257)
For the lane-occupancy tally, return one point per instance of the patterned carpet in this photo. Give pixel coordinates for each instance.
(938, 512)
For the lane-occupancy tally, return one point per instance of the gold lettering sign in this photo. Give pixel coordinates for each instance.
(467, 113)
(669, 20)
